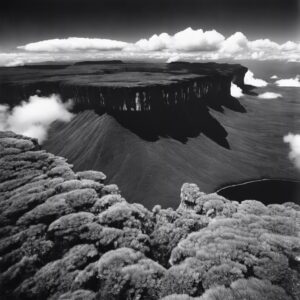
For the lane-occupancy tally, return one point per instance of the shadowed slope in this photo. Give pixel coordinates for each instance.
(150, 172)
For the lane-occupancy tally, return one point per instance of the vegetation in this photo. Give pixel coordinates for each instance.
(67, 235)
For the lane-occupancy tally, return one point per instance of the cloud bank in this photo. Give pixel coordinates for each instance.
(186, 40)
(294, 141)
(269, 95)
(250, 80)
(33, 118)
(73, 44)
(188, 44)
(291, 82)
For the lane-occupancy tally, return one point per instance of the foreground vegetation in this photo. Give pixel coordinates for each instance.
(66, 235)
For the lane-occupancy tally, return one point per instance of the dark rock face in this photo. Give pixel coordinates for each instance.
(67, 235)
(120, 87)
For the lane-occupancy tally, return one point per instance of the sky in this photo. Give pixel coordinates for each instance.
(24, 22)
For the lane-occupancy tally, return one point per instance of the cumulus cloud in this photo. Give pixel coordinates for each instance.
(186, 40)
(294, 141)
(190, 44)
(34, 117)
(274, 77)
(269, 95)
(73, 44)
(249, 79)
(236, 43)
(291, 82)
(235, 91)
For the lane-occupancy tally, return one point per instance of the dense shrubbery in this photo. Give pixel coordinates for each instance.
(66, 235)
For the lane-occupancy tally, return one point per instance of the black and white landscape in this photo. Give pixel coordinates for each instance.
(150, 150)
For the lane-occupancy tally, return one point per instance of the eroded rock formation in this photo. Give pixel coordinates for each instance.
(115, 87)
(67, 235)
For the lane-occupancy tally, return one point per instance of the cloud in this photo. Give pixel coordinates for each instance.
(274, 77)
(74, 44)
(190, 44)
(33, 118)
(238, 42)
(294, 141)
(186, 40)
(235, 91)
(291, 82)
(174, 58)
(270, 95)
(250, 80)
(14, 59)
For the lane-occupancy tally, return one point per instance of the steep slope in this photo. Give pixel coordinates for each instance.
(151, 172)
(158, 125)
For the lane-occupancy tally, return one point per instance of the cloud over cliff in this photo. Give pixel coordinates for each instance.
(189, 44)
(251, 80)
(235, 91)
(34, 117)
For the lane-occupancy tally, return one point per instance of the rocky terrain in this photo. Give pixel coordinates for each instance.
(67, 235)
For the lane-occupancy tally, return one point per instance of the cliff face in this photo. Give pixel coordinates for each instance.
(122, 87)
(67, 235)
(148, 98)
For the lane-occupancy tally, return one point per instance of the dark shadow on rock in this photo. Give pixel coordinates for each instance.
(248, 90)
(229, 102)
(180, 123)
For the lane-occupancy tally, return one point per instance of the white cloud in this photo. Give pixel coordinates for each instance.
(290, 46)
(73, 44)
(186, 40)
(155, 43)
(19, 59)
(190, 44)
(294, 141)
(263, 44)
(236, 91)
(291, 82)
(236, 43)
(274, 77)
(33, 118)
(174, 58)
(269, 95)
(249, 79)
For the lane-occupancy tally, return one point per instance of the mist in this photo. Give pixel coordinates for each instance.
(33, 118)
(294, 141)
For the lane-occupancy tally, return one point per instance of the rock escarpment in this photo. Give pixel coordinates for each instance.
(120, 87)
(67, 235)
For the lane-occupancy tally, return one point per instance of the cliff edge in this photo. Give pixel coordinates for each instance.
(67, 235)
(114, 86)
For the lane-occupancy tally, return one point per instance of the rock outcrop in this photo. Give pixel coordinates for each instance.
(120, 87)
(67, 235)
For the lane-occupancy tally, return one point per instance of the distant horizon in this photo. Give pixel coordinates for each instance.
(23, 22)
(167, 30)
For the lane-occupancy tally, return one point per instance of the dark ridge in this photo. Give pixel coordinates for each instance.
(99, 62)
(121, 86)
